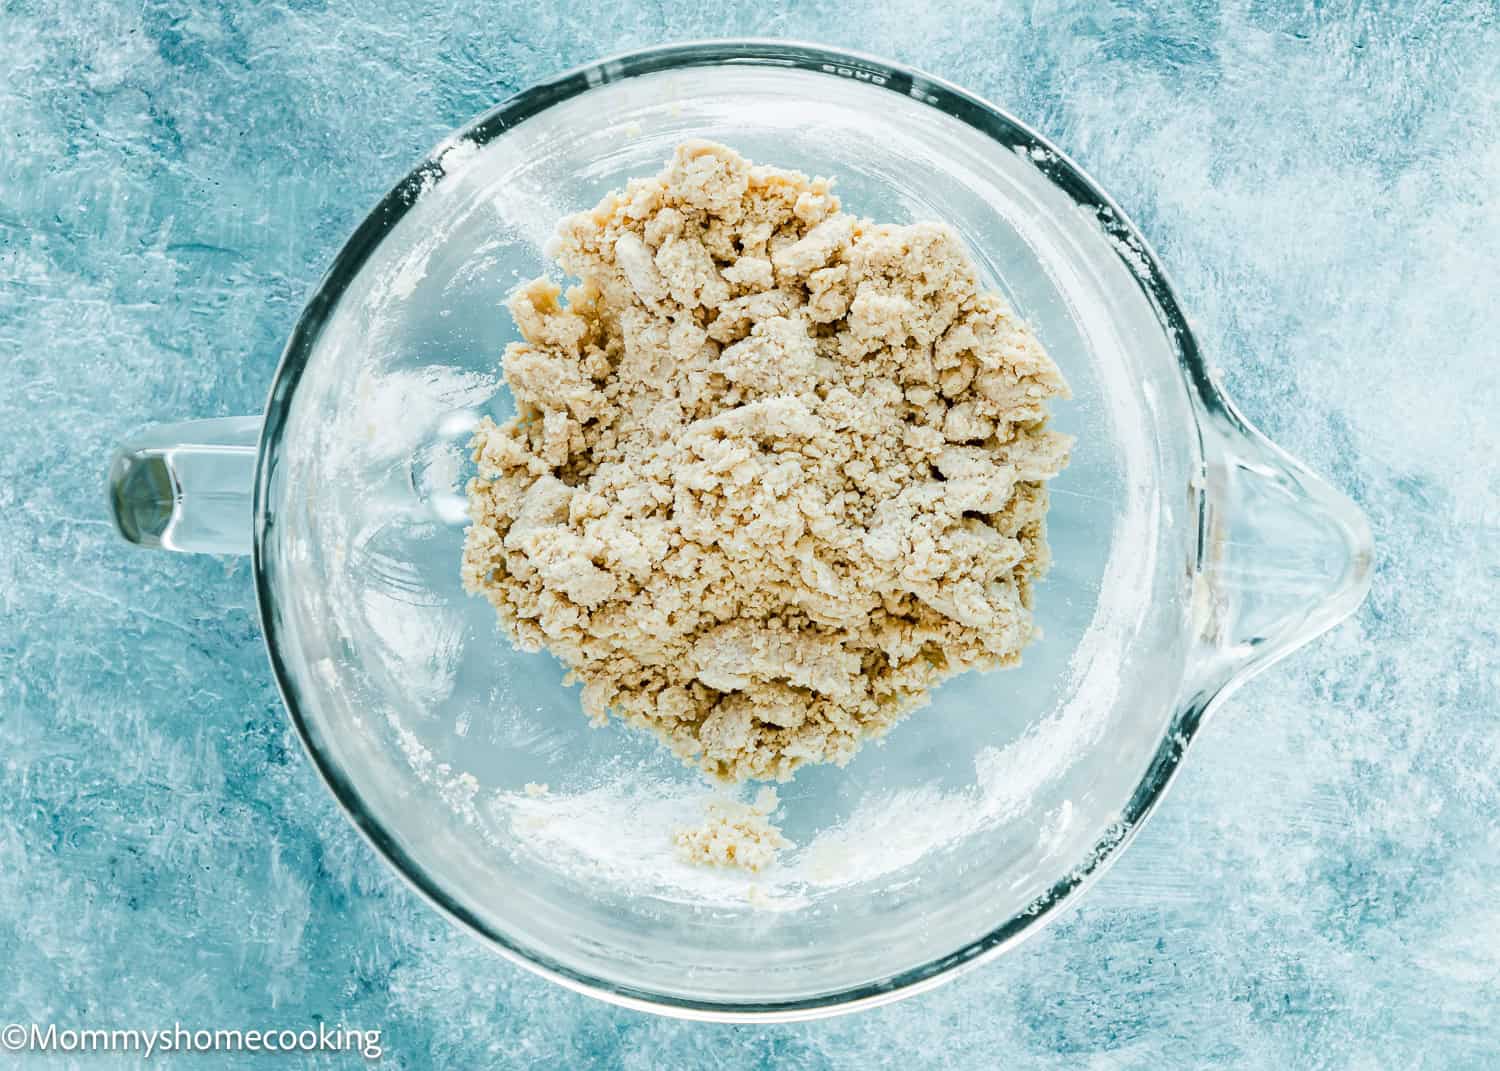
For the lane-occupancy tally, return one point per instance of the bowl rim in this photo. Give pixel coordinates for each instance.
(1131, 248)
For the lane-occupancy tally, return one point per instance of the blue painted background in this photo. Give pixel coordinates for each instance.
(1322, 887)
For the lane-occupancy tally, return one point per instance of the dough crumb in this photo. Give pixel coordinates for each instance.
(734, 834)
(534, 790)
(777, 470)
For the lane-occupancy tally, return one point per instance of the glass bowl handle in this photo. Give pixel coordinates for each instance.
(187, 487)
(1281, 555)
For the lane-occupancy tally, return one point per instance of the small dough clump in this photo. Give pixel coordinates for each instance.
(737, 835)
(776, 470)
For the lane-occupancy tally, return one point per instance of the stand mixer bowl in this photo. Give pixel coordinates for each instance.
(1189, 553)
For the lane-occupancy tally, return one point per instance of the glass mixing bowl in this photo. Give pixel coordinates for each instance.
(1189, 552)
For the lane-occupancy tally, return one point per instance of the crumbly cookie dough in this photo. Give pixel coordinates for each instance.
(735, 835)
(777, 470)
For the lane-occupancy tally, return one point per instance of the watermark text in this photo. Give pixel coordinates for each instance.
(177, 1038)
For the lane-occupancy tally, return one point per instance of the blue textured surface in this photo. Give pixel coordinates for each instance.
(1317, 891)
